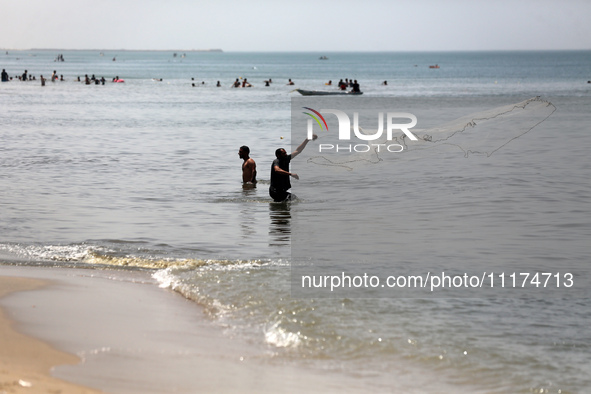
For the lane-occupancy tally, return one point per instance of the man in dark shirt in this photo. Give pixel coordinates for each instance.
(280, 182)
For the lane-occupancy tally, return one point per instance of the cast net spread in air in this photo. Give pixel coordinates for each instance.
(481, 133)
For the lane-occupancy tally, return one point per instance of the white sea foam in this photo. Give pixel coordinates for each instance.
(277, 336)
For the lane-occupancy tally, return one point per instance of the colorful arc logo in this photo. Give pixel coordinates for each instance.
(315, 118)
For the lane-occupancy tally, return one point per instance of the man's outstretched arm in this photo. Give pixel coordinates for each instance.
(300, 148)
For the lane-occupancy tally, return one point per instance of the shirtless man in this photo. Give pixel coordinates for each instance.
(249, 167)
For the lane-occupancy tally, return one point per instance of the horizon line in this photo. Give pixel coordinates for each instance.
(218, 50)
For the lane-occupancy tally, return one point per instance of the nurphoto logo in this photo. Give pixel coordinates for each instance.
(344, 133)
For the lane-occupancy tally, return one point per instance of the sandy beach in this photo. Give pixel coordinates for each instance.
(86, 331)
(25, 362)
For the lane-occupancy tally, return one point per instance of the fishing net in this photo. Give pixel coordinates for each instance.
(484, 132)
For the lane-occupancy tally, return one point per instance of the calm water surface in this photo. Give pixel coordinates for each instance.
(147, 174)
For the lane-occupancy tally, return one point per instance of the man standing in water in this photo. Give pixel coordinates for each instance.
(249, 167)
(280, 182)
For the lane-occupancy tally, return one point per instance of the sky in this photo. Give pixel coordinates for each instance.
(303, 25)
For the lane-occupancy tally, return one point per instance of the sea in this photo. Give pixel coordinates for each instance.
(144, 175)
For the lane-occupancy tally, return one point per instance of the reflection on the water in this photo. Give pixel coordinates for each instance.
(247, 214)
(280, 224)
(249, 187)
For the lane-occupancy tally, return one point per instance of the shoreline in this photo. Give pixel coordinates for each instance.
(120, 333)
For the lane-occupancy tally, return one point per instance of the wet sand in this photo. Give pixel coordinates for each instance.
(25, 362)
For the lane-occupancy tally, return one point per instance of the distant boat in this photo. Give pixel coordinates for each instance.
(326, 93)
(434, 66)
(323, 58)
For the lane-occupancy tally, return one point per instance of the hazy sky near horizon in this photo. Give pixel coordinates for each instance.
(304, 25)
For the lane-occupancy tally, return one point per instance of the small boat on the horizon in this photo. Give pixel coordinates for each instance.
(304, 92)
(434, 66)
